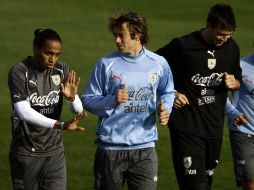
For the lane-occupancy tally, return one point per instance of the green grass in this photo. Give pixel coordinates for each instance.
(83, 27)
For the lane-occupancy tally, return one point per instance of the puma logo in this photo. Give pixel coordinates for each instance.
(33, 82)
(248, 81)
(211, 52)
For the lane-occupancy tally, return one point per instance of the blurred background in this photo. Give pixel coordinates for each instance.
(82, 25)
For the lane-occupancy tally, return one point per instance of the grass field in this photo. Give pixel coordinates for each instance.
(83, 27)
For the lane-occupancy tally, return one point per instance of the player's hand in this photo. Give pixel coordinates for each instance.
(231, 82)
(71, 125)
(70, 86)
(122, 95)
(180, 100)
(240, 120)
(163, 114)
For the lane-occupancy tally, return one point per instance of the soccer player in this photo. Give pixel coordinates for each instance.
(37, 86)
(241, 124)
(205, 65)
(125, 90)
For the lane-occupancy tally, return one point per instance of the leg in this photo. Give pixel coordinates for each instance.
(53, 176)
(188, 152)
(143, 168)
(25, 171)
(109, 168)
(242, 146)
(213, 150)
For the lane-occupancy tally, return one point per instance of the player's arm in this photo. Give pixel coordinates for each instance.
(231, 82)
(29, 115)
(166, 93)
(180, 100)
(232, 113)
(234, 78)
(95, 97)
(164, 114)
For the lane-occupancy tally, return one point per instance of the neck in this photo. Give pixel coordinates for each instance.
(37, 64)
(136, 50)
(205, 35)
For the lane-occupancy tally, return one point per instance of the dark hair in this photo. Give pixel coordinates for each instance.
(136, 23)
(41, 35)
(222, 16)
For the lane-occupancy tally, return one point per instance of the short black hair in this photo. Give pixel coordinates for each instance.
(41, 35)
(222, 16)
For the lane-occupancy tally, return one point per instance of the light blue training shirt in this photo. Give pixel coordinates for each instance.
(130, 125)
(243, 99)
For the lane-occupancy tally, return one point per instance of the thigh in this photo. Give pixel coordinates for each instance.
(53, 176)
(189, 158)
(109, 169)
(213, 150)
(242, 146)
(25, 171)
(143, 169)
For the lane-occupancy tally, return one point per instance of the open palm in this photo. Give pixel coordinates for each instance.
(70, 86)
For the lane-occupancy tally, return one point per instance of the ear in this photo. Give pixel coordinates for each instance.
(35, 47)
(138, 36)
(208, 25)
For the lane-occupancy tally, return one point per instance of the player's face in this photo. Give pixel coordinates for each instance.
(124, 41)
(219, 36)
(47, 55)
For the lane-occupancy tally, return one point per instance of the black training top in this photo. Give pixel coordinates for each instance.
(198, 71)
(42, 89)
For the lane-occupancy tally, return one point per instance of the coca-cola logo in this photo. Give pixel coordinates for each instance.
(50, 99)
(215, 79)
(143, 93)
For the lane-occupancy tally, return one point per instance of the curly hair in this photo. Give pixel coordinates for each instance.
(136, 24)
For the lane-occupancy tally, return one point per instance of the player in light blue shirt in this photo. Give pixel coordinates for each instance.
(240, 114)
(126, 90)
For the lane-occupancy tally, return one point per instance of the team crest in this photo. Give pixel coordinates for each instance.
(153, 77)
(56, 79)
(187, 162)
(211, 63)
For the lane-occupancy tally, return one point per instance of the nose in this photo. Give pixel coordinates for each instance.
(52, 58)
(118, 39)
(226, 37)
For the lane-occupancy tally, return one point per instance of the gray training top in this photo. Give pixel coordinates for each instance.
(42, 89)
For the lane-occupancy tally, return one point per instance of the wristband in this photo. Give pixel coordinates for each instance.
(62, 125)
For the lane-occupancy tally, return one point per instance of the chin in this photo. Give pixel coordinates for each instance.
(48, 67)
(219, 44)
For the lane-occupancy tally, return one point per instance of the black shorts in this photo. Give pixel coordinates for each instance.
(137, 167)
(242, 146)
(34, 172)
(194, 158)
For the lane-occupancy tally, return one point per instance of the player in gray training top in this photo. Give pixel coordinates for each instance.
(37, 86)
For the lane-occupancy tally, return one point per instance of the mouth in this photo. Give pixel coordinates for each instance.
(49, 66)
(121, 48)
(219, 42)
(119, 45)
